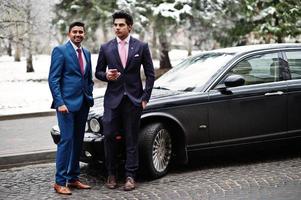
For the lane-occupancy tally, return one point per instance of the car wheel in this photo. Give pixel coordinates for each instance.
(155, 150)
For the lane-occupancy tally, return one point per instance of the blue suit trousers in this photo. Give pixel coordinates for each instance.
(72, 128)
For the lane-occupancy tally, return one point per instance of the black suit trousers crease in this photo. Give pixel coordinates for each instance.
(126, 117)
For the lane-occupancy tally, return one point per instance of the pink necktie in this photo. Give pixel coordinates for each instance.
(80, 60)
(122, 53)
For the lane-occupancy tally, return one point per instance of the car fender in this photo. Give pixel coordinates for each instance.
(181, 150)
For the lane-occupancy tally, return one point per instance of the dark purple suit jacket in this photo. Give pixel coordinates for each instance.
(129, 81)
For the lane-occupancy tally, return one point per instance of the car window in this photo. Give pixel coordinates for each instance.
(259, 69)
(294, 62)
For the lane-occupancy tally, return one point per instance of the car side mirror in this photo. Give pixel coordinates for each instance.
(231, 81)
(234, 80)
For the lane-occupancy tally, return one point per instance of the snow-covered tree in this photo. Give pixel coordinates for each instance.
(96, 14)
(157, 16)
(208, 20)
(166, 16)
(266, 20)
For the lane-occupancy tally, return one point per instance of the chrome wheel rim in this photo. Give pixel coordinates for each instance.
(161, 150)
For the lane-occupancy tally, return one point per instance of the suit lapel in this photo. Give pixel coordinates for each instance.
(73, 55)
(116, 53)
(131, 50)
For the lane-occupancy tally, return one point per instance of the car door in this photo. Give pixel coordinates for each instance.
(293, 59)
(256, 110)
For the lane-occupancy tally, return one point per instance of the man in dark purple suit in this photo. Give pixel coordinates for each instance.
(119, 63)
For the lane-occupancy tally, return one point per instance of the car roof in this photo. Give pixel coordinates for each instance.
(250, 48)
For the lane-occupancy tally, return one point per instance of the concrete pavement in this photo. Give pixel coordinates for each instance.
(25, 139)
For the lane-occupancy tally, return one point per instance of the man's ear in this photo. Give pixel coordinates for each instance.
(130, 28)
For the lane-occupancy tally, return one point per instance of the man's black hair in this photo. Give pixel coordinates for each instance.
(76, 24)
(123, 15)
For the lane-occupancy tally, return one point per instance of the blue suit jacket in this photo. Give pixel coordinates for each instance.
(66, 82)
(129, 81)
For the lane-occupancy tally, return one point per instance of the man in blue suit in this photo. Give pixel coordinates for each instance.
(119, 64)
(71, 85)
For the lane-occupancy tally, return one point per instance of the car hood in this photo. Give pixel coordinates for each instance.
(157, 96)
(169, 98)
(162, 94)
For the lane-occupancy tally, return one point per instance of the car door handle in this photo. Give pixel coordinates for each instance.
(273, 93)
(202, 126)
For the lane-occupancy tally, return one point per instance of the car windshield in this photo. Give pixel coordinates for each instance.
(193, 72)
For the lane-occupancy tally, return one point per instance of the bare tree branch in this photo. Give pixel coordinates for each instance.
(13, 21)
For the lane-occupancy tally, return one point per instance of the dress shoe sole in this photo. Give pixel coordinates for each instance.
(62, 193)
(80, 188)
(128, 189)
(111, 187)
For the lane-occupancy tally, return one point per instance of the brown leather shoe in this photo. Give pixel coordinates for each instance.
(78, 185)
(111, 182)
(129, 184)
(62, 189)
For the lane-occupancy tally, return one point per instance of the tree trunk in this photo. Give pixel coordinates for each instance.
(154, 44)
(164, 49)
(9, 49)
(29, 65)
(189, 45)
(142, 36)
(94, 46)
(9, 46)
(191, 24)
(18, 51)
(279, 39)
(105, 31)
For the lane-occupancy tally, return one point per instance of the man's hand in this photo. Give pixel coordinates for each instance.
(63, 109)
(112, 74)
(144, 104)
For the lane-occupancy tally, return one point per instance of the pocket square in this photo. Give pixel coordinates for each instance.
(136, 55)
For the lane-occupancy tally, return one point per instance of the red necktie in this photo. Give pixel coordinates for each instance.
(122, 53)
(80, 60)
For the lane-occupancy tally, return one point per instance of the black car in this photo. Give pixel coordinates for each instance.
(216, 99)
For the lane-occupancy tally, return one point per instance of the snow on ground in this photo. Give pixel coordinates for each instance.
(23, 92)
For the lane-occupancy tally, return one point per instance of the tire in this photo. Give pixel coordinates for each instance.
(155, 150)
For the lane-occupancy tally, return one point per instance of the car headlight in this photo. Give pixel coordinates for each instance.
(86, 127)
(94, 125)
